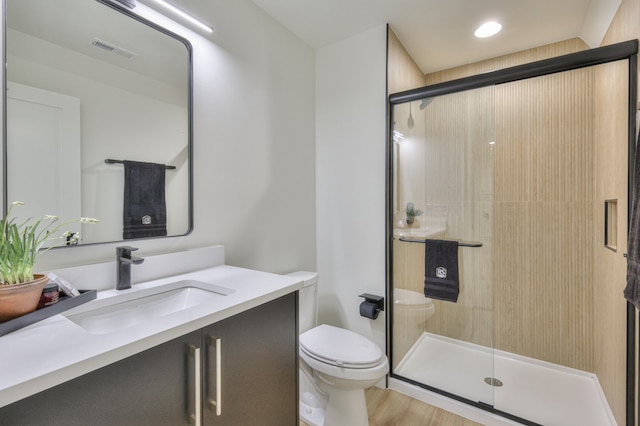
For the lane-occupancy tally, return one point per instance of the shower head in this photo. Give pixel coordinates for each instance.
(425, 102)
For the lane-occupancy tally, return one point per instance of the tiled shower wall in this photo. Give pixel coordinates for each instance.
(529, 198)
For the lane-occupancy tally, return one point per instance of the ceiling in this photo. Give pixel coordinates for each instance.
(439, 33)
(152, 52)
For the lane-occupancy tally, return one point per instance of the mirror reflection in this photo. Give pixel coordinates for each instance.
(88, 83)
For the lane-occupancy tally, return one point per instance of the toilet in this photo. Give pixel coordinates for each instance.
(411, 311)
(411, 308)
(336, 366)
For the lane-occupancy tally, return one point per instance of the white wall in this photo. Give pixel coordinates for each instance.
(254, 130)
(350, 178)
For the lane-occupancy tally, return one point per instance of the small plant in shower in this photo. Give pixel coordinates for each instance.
(412, 213)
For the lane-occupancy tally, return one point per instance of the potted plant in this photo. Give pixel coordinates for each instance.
(412, 213)
(20, 245)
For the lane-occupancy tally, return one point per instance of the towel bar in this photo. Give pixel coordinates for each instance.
(111, 161)
(461, 243)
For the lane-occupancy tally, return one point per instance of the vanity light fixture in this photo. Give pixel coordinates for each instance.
(131, 4)
(397, 136)
(488, 29)
(195, 21)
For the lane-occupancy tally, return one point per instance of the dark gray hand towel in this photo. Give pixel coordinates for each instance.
(441, 270)
(145, 209)
(632, 290)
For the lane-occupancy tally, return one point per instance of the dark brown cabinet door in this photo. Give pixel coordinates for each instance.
(154, 387)
(251, 374)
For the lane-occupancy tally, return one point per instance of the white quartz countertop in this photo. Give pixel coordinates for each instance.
(55, 350)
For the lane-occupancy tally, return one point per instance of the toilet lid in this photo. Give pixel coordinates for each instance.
(340, 347)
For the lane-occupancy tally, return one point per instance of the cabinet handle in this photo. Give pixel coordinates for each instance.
(216, 403)
(196, 416)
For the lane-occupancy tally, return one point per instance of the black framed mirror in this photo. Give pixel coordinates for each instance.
(90, 85)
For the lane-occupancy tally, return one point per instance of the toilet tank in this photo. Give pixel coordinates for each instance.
(307, 300)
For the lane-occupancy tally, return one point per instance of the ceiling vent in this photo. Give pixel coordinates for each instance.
(112, 48)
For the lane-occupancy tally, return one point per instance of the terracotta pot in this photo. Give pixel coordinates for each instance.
(20, 299)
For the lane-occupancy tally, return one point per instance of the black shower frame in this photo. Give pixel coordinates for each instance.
(620, 51)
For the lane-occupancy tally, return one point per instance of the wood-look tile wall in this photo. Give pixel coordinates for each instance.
(453, 166)
(529, 199)
(402, 71)
(517, 58)
(543, 224)
(611, 266)
(610, 269)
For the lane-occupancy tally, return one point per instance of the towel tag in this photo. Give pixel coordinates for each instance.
(441, 272)
(146, 220)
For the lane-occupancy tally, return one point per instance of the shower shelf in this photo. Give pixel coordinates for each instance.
(460, 243)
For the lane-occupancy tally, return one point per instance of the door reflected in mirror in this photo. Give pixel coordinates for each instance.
(87, 82)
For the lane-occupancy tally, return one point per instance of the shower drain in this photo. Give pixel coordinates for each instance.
(492, 381)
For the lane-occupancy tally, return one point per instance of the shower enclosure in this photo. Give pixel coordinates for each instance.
(523, 169)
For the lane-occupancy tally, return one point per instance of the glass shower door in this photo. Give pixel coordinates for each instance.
(532, 171)
(443, 159)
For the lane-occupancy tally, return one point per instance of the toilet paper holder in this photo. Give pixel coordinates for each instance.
(371, 306)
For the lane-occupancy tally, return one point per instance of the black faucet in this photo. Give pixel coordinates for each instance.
(125, 260)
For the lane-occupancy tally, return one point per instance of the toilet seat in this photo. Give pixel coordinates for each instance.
(411, 298)
(340, 347)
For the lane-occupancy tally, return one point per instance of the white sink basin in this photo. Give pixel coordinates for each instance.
(129, 309)
(418, 232)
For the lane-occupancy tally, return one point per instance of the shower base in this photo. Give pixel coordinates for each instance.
(534, 390)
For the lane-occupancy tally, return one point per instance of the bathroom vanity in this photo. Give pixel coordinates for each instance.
(230, 360)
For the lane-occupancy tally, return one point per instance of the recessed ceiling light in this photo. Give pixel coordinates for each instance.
(488, 29)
